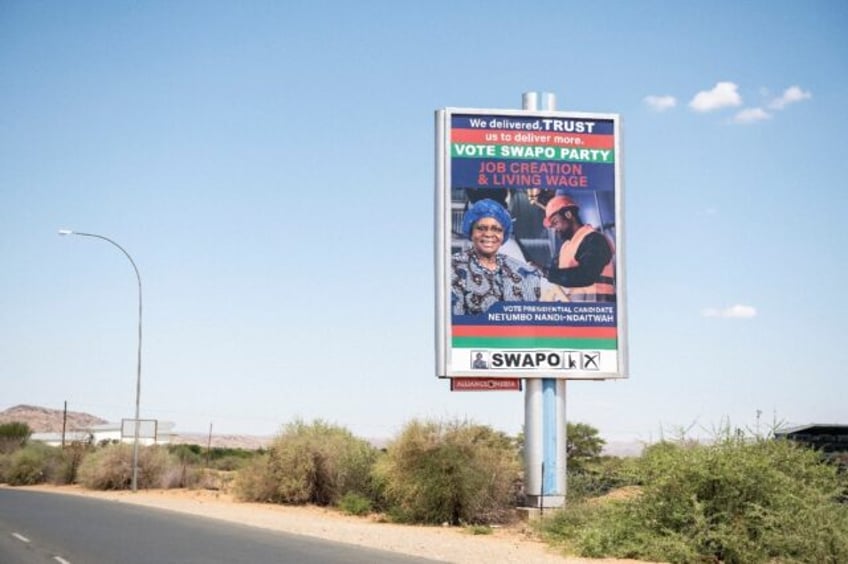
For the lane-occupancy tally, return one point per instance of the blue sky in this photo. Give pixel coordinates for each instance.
(269, 166)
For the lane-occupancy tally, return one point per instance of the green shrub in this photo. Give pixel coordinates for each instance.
(187, 472)
(36, 463)
(219, 458)
(355, 504)
(186, 454)
(739, 500)
(597, 477)
(110, 468)
(230, 463)
(316, 463)
(13, 436)
(453, 472)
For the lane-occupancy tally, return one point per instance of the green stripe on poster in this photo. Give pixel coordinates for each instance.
(522, 152)
(532, 343)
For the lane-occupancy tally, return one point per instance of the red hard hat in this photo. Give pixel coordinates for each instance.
(556, 204)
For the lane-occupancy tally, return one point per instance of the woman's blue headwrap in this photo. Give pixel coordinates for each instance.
(486, 208)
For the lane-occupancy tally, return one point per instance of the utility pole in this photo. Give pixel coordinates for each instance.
(64, 423)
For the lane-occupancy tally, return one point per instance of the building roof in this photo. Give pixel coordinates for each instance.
(814, 428)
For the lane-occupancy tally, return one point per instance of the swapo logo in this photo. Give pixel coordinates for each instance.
(581, 360)
(551, 360)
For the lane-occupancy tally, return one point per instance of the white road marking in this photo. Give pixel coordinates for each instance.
(22, 538)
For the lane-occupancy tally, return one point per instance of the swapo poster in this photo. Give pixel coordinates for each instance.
(529, 246)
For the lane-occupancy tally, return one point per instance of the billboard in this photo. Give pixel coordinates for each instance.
(529, 258)
(147, 428)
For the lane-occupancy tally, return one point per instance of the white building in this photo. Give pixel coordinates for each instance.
(151, 432)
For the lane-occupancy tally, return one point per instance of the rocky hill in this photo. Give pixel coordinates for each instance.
(43, 420)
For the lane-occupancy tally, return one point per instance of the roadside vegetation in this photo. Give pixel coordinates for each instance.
(455, 472)
(315, 463)
(740, 498)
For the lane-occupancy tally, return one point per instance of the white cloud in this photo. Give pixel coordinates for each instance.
(790, 96)
(751, 115)
(660, 103)
(723, 95)
(733, 312)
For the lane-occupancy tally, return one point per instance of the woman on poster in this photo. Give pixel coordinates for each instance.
(480, 275)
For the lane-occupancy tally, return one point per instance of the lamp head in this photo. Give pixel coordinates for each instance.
(65, 232)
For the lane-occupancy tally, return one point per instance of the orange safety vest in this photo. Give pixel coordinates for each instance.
(601, 291)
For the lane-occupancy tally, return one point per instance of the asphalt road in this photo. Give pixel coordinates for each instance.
(38, 527)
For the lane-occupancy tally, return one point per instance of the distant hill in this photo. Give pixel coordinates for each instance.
(44, 420)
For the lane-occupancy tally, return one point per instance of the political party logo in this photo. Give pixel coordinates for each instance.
(545, 360)
(479, 360)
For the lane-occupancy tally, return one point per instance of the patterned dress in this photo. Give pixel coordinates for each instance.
(474, 288)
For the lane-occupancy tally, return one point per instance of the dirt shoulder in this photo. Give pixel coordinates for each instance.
(507, 545)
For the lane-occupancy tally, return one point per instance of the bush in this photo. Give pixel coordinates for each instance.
(73, 455)
(316, 463)
(13, 436)
(355, 504)
(255, 482)
(5, 463)
(110, 468)
(36, 463)
(739, 500)
(230, 463)
(219, 458)
(454, 472)
(596, 478)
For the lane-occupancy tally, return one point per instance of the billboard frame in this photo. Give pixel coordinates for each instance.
(446, 353)
(147, 428)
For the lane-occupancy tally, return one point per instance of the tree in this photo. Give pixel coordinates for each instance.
(13, 436)
(582, 445)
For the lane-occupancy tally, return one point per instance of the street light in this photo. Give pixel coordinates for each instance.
(138, 372)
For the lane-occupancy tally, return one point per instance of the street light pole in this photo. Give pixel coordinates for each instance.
(138, 371)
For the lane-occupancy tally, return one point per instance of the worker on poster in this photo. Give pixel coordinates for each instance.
(583, 270)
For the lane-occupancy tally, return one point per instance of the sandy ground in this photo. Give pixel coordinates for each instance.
(507, 545)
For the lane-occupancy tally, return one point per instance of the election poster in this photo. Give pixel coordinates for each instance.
(529, 246)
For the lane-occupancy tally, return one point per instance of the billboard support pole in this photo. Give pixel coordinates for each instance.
(544, 411)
